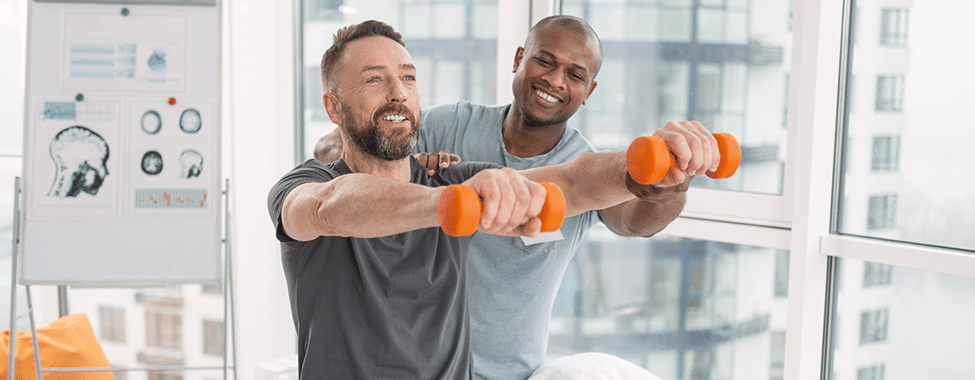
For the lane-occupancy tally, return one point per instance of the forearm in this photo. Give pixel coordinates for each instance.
(359, 205)
(654, 208)
(591, 181)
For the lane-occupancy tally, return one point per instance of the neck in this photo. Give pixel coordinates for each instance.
(361, 162)
(523, 140)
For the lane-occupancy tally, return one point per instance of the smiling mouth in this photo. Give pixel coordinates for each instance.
(546, 97)
(394, 118)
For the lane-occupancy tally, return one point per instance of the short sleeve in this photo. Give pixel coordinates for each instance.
(309, 171)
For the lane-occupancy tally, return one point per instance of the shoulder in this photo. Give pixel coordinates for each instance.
(461, 112)
(308, 171)
(576, 141)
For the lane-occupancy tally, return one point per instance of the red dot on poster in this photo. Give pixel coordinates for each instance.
(172, 101)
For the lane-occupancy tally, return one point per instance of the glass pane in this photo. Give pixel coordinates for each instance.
(172, 326)
(900, 323)
(909, 129)
(453, 44)
(723, 63)
(12, 31)
(682, 308)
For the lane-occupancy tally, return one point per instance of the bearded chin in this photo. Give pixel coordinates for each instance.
(373, 141)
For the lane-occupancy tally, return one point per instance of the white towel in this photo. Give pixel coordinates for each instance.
(591, 366)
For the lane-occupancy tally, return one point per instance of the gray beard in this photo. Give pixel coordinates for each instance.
(372, 141)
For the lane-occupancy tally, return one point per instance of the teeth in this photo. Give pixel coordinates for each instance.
(394, 118)
(545, 96)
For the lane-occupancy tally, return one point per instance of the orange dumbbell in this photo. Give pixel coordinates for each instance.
(459, 209)
(648, 159)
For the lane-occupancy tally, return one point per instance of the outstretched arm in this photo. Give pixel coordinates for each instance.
(599, 181)
(358, 205)
(365, 206)
(653, 209)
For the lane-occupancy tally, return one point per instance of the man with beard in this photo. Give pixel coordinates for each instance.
(377, 289)
(513, 283)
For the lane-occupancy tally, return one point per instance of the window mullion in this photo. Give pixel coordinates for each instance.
(813, 101)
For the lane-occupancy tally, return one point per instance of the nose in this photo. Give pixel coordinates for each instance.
(555, 78)
(397, 92)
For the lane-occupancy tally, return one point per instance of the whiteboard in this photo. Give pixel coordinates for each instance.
(121, 177)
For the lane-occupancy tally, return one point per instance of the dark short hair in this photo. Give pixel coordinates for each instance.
(573, 24)
(348, 34)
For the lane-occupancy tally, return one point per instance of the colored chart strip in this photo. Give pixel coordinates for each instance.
(171, 198)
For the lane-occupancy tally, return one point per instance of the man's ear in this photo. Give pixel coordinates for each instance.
(592, 86)
(333, 107)
(519, 55)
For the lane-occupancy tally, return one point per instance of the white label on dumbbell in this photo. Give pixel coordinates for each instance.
(543, 237)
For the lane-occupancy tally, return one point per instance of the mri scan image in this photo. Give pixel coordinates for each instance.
(191, 164)
(157, 61)
(79, 157)
(190, 121)
(152, 162)
(151, 122)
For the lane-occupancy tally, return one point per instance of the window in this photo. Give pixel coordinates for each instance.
(153, 375)
(893, 27)
(871, 373)
(453, 44)
(873, 326)
(781, 288)
(882, 212)
(164, 328)
(213, 337)
(112, 322)
(711, 61)
(673, 305)
(875, 274)
(890, 93)
(777, 361)
(886, 153)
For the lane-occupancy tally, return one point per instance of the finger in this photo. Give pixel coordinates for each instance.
(490, 195)
(522, 193)
(692, 138)
(709, 149)
(506, 184)
(715, 153)
(443, 159)
(531, 228)
(454, 159)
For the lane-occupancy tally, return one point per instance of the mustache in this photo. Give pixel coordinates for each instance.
(394, 108)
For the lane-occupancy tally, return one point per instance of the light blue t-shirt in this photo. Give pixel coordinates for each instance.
(511, 286)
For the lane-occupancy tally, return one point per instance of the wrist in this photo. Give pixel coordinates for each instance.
(647, 192)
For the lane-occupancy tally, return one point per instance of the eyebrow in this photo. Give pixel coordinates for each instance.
(405, 66)
(576, 65)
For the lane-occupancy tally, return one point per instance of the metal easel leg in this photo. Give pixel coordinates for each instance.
(14, 238)
(228, 292)
(33, 336)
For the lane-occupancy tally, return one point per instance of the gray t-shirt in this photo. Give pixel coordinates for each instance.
(393, 307)
(512, 286)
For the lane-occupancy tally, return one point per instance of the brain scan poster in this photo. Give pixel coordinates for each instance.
(121, 179)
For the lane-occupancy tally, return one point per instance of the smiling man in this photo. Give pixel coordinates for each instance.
(377, 289)
(513, 282)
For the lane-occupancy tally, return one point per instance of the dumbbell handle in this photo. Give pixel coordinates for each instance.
(459, 209)
(648, 159)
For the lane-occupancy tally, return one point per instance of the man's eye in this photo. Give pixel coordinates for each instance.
(373, 79)
(543, 61)
(409, 78)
